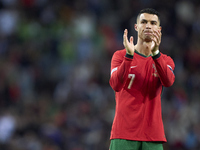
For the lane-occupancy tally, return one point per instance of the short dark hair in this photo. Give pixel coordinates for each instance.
(149, 11)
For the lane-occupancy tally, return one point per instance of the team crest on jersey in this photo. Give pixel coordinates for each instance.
(155, 74)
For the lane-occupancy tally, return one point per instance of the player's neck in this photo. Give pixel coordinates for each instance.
(143, 47)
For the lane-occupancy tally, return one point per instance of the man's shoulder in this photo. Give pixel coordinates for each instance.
(121, 52)
(165, 56)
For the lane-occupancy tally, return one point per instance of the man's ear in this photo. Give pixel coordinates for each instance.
(136, 28)
(160, 28)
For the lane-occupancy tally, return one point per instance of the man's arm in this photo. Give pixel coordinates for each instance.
(120, 66)
(165, 67)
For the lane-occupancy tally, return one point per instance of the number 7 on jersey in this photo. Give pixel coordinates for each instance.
(132, 76)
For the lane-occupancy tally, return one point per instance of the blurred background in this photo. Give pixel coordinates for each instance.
(55, 68)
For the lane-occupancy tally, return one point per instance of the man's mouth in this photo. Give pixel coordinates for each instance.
(148, 32)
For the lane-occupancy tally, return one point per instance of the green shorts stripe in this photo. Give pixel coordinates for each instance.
(121, 144)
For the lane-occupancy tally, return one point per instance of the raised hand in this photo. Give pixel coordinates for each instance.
(156, 40)
(129, 46)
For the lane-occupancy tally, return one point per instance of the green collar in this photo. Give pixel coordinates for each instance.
(141, 54)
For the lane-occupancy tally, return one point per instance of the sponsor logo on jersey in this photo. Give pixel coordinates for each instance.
(133, 66)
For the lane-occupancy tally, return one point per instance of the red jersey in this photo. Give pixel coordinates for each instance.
(138, 82)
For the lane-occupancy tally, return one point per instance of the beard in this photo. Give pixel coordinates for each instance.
(148, 38)
(147, 35)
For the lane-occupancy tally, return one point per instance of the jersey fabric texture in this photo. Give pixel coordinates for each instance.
(138, 81)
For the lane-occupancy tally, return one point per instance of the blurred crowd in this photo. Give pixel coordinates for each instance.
(55, 68)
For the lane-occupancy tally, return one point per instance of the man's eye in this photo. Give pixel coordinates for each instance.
(153, 23)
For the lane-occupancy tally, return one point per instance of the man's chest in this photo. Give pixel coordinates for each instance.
(141, 74)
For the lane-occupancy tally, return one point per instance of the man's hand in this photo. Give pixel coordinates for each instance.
(129, 46)
(156, 41)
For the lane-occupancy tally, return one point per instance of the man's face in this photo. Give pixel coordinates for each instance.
(146, 25)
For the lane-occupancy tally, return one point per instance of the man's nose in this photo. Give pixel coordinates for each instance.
(148, 25)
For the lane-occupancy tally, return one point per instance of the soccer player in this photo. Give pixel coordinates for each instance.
(138, 74)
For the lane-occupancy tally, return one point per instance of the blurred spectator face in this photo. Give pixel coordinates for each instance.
(146, 25)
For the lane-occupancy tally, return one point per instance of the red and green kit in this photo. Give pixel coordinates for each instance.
(138, 81)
